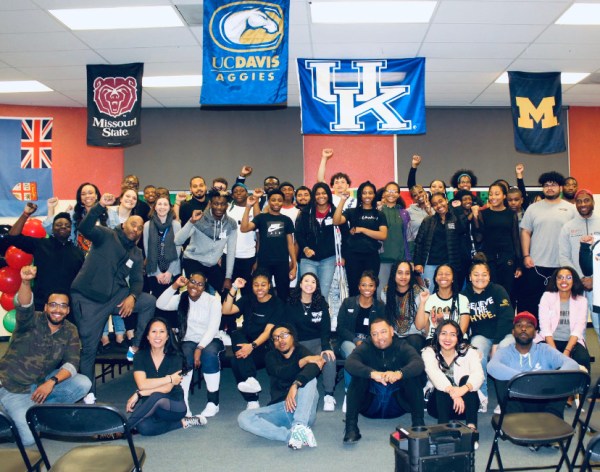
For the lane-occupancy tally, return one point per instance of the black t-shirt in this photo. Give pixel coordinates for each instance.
(370, 219)
(187, 208)
(272, 236)
(362, 321)
(170, 364)
(311, 322)
(258, 315)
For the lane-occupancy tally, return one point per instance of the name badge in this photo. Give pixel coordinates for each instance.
(366, 322)
(223, 234)
(328, 221)
(129, 263)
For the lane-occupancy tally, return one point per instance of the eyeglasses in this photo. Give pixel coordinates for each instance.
(196, 283)
(282, 336)
(550, 184)
(392, 192)
(62, 306)
(564, 277)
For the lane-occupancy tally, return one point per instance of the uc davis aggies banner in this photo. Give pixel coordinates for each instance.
(536, 101)
(245, 59)
(114, 103)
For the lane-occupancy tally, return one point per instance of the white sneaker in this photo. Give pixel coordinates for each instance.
(89, 399)
(328, 403)
(250, 385)
(191, 421)
(210, 410)
(497, 410)
(309, 437)
(254, 405)
(483, 405)
(295, 442)
(344, 405)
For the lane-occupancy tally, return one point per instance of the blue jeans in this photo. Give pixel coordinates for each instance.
(428, 272)
(273, 422)
(16, 404)
(324, 270)
(484, 345)
(209, 358)
(346, 349)
(118, 326)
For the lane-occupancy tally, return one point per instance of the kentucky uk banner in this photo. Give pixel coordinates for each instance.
(245, 53)
(26, 163)
(362, 96)
(536, 101)
(114, 103)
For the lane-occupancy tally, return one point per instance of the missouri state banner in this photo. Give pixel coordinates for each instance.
(362, 96)
(26, 163)
(245, 53)
(114, 104)
(536, 101)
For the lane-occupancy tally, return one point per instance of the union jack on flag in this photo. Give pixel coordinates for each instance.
(36, 144)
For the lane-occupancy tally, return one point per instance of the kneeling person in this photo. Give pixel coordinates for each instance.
(292, 370)
(385, 382)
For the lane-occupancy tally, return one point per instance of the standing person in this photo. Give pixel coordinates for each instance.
(126, 208)
(292, 370)
(315, 235)
(418, 211)
(540, 231)
(269, 184)
(516, 202)
(141, 208)
(368, 227)
(339, 182)
(150, 196)
(497, 231)
(289, 208)
(162, 254)
(395, 246)
(40, 363)
(303, 197)
(402, 300)
(491, 317)
(563, 315)
(198, 316)
(308, 311)
(110, 281)
(444, 303)
(260, 311)
(276, 251)
(157, 405)
(454, 369)
(436, 186)
(385, 382)
(569, 189)
(209, 233)
(441, 239)
(184, 209)
(586, 223)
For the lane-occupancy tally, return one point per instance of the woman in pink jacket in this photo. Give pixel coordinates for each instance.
(563, 315)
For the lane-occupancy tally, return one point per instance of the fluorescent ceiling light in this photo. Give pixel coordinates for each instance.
(21, 86)
(581, 14)
(118, 18)
(172, 81)
(372, 12)
(567, 78)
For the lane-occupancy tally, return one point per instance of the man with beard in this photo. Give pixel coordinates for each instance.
(569, 190)
(527, 356)
(57, 259)
(184, 209)
(540, 230)
(303, 196)
(41, 361)
(109, 282)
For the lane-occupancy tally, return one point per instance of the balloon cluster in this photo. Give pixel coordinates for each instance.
(10, 276)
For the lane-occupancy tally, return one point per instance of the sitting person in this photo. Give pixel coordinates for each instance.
(157, 407)
(527, 356)
(385, 380)
(294, 396)
(199, 315)
(454, 369)
(41, 361)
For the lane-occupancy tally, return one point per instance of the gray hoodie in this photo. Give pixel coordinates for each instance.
(570, 236)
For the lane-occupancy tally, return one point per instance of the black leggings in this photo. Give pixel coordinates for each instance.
(441, 406)
(159, 414)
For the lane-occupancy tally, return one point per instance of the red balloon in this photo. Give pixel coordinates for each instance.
(7, 301)
(34, 229)
(17, 258)
(10, 279)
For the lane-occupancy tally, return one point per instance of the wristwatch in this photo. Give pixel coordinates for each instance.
(254, 345)
(55, 379)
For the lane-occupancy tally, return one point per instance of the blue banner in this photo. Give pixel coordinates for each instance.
(26, 163)
(536, 101)
(245, 53)
(362, 96)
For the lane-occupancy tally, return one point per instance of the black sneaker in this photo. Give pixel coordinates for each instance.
(352, 435)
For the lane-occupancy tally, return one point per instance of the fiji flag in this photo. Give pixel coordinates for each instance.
(536, 101)
(26, 163)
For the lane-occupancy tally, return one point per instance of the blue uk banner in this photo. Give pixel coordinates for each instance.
(362, 96)
(26, 163)
(536, 102)
(245, 53)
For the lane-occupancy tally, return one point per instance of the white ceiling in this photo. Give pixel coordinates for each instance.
(468, 44)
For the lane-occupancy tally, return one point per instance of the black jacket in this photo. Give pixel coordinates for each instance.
(346, 320)
(317, 236)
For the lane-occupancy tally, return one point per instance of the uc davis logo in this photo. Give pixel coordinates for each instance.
(115, 96)
(369, 89)
(247, 26)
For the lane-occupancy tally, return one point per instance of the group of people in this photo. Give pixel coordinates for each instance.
(433, 289)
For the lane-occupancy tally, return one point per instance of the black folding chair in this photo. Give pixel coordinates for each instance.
(19, 459)
(537, 429)
(592, 453)
(590, 423)
(86, 421)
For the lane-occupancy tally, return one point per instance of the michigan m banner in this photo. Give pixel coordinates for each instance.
(536, 101)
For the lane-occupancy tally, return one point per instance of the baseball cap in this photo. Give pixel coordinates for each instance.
(526, 316)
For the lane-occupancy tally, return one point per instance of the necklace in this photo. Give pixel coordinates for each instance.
(306, 307)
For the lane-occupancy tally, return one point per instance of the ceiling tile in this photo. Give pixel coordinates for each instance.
(478, 33)
(163, 54)
(59, 41)
(139, 38)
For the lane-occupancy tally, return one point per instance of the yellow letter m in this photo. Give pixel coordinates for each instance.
(544, 113)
